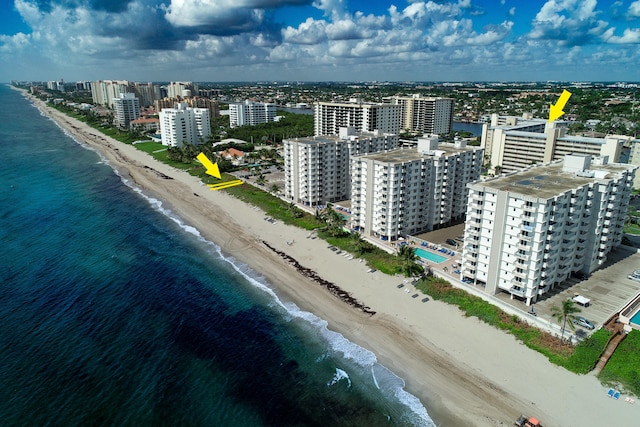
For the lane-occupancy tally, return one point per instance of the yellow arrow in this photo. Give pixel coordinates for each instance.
(211, 168)
(555, 111)
(223, 185)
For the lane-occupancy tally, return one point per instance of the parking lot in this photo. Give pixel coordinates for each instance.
(608, 288)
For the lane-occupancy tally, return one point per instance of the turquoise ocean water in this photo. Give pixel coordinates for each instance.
(115, 312)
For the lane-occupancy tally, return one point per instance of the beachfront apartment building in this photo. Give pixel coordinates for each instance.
(514, 143)
(250, 113)
(427, 115)
(527, 231)
(408, 191)
(317, 168)
(184, 125)
(126, 108)
(329, 117)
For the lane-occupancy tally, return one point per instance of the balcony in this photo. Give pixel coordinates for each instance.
(527, 228)
(522, 275)
(518, 291)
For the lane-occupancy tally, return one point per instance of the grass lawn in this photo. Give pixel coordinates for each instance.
(624, 366)
(632, 229)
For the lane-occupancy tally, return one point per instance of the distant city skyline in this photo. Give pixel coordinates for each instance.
(320, 40)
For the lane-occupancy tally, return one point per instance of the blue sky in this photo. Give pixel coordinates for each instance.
(320, 40)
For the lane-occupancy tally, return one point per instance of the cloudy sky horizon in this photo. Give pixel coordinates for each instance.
(320, 40)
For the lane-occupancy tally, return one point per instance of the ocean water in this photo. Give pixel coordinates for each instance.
(115, 312)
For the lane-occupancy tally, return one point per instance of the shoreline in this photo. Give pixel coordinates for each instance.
(463, 371)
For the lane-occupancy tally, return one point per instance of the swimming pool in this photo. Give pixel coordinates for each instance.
(430, 256)
(635, 319)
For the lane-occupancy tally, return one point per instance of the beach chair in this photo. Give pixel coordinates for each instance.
(610, 392)
(616, 395)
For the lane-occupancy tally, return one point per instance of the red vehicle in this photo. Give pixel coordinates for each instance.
(524, 421)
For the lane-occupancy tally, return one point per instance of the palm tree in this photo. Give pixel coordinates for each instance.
(334, 220)
(409, 266)
(405, 252)
(564, 313)
(361, 246)
(274, 188)
(261, 180)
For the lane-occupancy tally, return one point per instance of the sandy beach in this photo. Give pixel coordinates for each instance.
(465, 372)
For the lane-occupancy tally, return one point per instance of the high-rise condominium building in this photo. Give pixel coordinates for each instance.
(195, 102)
(126, 108)
(184, 125)
(513, 143)
(104, 92)
(424, 114)
(527, 231)
(56, 85)
(146, 93)
(250, 113)
(634, 156)
(317, 168)
(180, 89)
(412, 190)
(329, 117)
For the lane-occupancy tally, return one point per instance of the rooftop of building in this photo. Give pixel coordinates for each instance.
(548, 180)
(353, 136)
(409, 154)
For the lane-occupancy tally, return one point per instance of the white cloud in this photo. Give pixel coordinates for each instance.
(629, 36)
(243, 38)
(569, 22)
(308, 32)
(17, 42)
(634, 9)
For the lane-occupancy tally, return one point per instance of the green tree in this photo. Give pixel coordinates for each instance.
(261, 180)
(361, 246)
(335, 222)
(409, 267)
(274, 188)
(565, 312)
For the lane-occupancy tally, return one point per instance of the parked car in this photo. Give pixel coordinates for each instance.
(581, 321)
(635, 276)
(580, 276)
(452, 242)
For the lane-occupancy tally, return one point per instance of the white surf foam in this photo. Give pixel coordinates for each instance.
(340, 375)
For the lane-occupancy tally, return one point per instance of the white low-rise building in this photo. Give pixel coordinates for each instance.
(528, 231)
(412, 190)
(317, 168)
